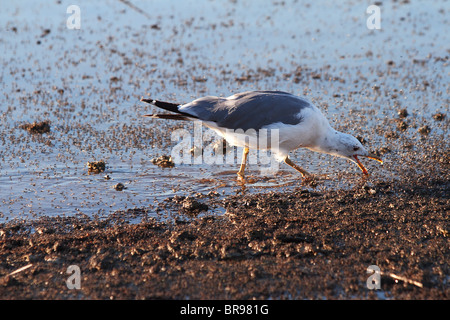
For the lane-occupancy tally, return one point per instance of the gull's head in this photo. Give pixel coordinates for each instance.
(347, 146)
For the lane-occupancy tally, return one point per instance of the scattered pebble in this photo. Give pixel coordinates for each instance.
(163, 162)
(119, 187)
(192, 207)
(45, 32)
(37, 127)
(369, 190)
(439, 116)
(425, 130)
(403, 113)
(96, 166)
(361, 139)
(213, 193)
(402, 125)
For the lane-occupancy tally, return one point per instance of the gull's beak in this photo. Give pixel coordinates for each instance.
(370, 156)
(375, 157)
(360, 165)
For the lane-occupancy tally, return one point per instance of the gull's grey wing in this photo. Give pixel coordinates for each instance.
(248, 110)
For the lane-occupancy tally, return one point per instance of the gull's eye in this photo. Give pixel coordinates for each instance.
(355, 148)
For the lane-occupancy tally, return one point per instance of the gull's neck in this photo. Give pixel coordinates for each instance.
(328, 142)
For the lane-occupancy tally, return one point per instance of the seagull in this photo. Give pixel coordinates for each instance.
(240, 117)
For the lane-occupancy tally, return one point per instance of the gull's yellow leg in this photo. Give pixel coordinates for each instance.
(296, 167)
(244, 161)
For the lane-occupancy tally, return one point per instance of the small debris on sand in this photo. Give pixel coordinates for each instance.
(425, 130)
(402, 113)
(439, 116)
(163, 161)
(37, 127)
(361, 139)
(119, 187)
(402, 125)
(192, 207)
(96, 166)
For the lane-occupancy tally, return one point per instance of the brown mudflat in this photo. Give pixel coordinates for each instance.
(294, 245)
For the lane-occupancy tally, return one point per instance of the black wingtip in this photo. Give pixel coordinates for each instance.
(167, 116)
(151, 101)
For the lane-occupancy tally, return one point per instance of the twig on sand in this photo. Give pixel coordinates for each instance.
(396, 277)
(20, 269)
(132, 6)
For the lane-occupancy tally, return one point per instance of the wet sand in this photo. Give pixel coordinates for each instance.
(84, 88)
(140, 231)
(293, 245)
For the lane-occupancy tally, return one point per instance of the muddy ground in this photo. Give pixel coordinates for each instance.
(192, 232)
(294, 245)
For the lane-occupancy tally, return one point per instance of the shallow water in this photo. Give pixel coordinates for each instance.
(88, 83)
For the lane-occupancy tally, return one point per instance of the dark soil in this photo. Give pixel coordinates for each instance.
(295, 245)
